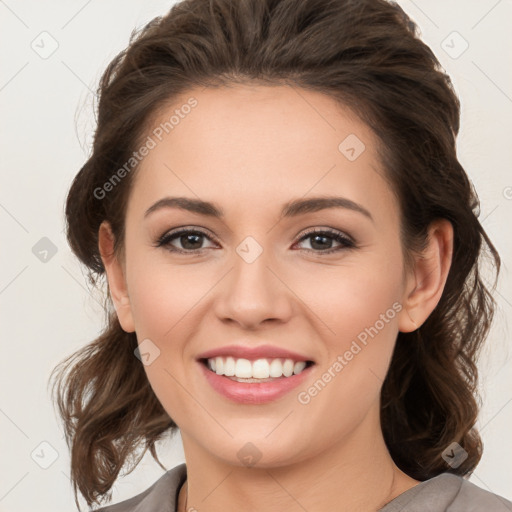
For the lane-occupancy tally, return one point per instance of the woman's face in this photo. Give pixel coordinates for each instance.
(253, 278)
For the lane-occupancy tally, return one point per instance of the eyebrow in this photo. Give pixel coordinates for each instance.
(290, 209)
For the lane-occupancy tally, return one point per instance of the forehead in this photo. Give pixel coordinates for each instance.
(256, 146)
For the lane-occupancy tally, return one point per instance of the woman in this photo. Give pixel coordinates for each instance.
(292, 253)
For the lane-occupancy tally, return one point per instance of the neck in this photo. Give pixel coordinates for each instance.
(356, 474)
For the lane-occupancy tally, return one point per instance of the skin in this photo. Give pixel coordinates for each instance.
(250, 149)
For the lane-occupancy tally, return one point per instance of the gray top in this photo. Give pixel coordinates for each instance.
(443, 493)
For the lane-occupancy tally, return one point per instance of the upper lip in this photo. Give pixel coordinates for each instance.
(258, 352)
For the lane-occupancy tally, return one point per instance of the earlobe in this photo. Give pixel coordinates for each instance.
(425, 285)
(410, 324)
(115, 277)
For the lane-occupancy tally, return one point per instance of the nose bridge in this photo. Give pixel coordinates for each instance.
(252, 293)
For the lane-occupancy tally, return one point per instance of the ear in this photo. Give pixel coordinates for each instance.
(425, 284)
(116, 277)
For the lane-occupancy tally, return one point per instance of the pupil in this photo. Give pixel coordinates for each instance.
(314, 239)
(321, 242)
(186, 238)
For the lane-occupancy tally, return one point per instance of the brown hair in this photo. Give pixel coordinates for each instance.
(367, 55)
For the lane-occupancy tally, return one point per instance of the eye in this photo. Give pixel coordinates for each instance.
(322, 240)
(191, 240)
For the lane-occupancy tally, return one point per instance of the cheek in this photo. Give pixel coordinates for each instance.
(348, 299)
(362, 310)
(162, 306)
(360, 306)
(163, 294)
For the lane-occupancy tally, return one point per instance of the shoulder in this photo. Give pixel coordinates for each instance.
(472, 498)
(448, 493)
(159, 496)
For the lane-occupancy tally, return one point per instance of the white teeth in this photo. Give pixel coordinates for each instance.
(299, 366)
(288, 367)
(276, 368)
(229, 367)
(219, 366)
(258, 369)
(243, 368)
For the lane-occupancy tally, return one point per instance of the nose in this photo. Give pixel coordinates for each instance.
(253, 293)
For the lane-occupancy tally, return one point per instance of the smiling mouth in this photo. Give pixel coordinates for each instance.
(258, 370)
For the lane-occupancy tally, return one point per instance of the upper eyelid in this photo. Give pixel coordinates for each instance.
(305, 231)
(188, 229)
(329, 231)
(333, 232)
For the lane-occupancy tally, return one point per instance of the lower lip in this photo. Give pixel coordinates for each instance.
(253, 392)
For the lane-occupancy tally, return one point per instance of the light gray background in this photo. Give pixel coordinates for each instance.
(47, 125)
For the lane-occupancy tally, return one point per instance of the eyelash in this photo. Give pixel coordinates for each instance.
(346, 243)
